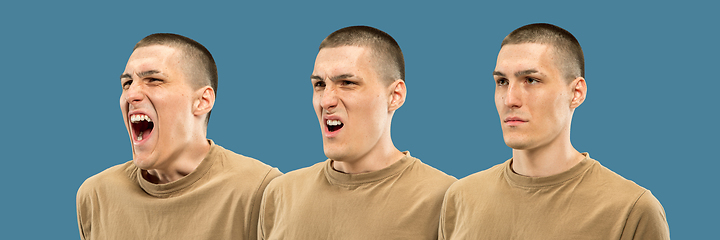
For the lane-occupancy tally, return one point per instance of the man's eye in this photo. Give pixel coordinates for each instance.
(501, 82)
(319, 84)
(155, 80)
(126, 84)
(347, 83)
(532, 80)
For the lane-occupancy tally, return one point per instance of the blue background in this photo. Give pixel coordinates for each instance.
(650, 116)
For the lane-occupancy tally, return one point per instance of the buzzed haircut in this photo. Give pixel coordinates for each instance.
(570, 55)
(390, 64)
(196, 56)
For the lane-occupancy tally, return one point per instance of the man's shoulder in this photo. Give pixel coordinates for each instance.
(646, 217)
(243, 165)
(430, 174)
(614, 191)
(615, 182)
(299, 176)
(484, 177)
(113, 177)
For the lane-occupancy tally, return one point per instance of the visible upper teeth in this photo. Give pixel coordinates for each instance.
(139, 117)
(333, 122)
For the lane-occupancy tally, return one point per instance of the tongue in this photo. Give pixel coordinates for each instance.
(144, 134)
(143, 129)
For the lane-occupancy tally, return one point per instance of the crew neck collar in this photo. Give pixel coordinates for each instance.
(524, 181)
(339, 178)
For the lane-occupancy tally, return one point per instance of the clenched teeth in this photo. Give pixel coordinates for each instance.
(333, 122)
(139, 117)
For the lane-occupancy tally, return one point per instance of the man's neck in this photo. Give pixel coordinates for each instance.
(381, 157)
(183, 163)
(545, 161)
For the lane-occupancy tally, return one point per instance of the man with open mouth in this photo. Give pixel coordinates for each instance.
(367, 189)
(548, 189)
(179, 185)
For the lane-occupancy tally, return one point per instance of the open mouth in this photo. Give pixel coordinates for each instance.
(142, 126)
(334, 125)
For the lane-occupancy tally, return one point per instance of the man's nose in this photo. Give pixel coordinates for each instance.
(513, 97)
(329, 98)
(134, 93)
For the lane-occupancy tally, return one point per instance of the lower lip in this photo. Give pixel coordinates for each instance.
(329, 134)
(514, 123)
(145, 138)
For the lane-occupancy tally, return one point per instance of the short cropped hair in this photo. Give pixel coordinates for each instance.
(570, 55)
(196, 56)
(390, 65)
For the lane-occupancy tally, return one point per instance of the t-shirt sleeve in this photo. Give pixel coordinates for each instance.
(257, 204)
(646, 220)
(83, 204)
(446, 221)
(261, 219)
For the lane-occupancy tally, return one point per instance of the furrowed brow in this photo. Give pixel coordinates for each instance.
(496, 73)
(342, 76)
(147, 73)
(126, 75)
(316, 77)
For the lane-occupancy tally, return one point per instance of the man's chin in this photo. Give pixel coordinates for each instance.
(144, 163)
(333, 150)
(517, 144)
(335, 155)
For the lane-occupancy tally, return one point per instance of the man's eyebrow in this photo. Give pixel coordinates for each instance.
(140, 75)
(342, 76)
(334, 78)
(520, 73)
(527, 72)
(146, 73)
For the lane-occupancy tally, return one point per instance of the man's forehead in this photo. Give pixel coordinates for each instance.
(527, 59)
(340, 55)
(527, 49)
(157, 48)
(142, 68)
(343, 60)
(526, 53)
(156, 53)
(155, 57)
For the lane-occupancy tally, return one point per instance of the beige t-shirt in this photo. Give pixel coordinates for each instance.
(586, 202)
(220, 199)
(401, 201)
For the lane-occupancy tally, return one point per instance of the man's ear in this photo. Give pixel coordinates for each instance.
(397, 95)
(205, 101)
(579, 91)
